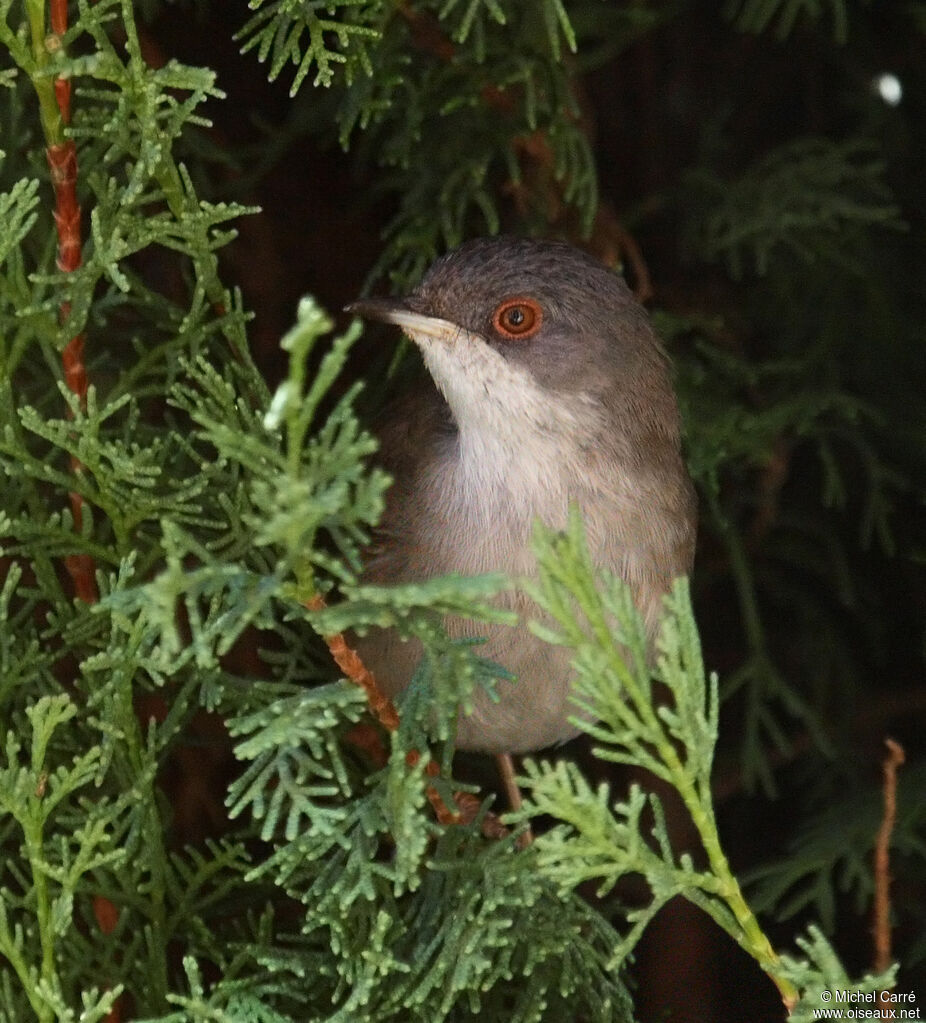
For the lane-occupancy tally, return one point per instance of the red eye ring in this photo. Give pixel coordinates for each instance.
(517, 318)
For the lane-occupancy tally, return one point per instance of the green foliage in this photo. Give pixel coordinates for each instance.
(831, 853)
(232, 517)
(17, 209)
(277, 31)
(809, 212)
(821, 977)
(457, 88)
(597, 838)
(447, 920)
(758, 15)
(799, 201)
(730, 438)
(34, 791)
(595, 617)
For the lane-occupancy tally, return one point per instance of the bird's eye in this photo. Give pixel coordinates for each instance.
(518, 318)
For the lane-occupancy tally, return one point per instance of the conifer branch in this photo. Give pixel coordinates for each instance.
(61, 153)
(382, 707)
(54, 94)
(594, 614)
(758, 15)
(349, 662)
(791, 204)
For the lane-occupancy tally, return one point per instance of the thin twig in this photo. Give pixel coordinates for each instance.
(513, 793)
(350, 662)
(881, 925)
(368, 739)
(613, 243)
(506, 770)
(469, 807)
(61, 153)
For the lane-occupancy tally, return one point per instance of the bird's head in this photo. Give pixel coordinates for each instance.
(525, 328)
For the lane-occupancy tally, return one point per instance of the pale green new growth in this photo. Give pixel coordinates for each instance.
(277, 30)
(36, 798)
(17, 214)
(821, 971)
(296, 761)
(671, 732)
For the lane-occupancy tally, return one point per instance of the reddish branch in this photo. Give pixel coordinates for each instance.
(365, 738)
(442, 812)
(882, 865)
(62, 162)
(612, 243)
(348, 660)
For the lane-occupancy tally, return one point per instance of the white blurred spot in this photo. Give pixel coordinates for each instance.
(888, 87)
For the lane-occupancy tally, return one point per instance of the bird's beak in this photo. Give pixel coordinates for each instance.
(392, 310)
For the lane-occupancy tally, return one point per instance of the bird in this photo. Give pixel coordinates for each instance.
(548, 387)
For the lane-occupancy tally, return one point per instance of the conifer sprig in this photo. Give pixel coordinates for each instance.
(759, 15)
(673, 738)
(305, 34)
(793, 203)
(481, 94)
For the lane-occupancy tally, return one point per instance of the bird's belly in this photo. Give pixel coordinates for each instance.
(532, 710)
(467, 537)
(529, 712)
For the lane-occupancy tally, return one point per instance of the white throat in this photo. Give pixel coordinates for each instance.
(517, 446)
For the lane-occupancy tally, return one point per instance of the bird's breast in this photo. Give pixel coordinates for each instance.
(483, 502)
(468, 507)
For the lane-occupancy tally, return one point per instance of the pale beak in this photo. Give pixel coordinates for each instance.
(392, 310)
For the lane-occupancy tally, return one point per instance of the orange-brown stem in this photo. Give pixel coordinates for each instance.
(367, 738)
(882, 865)
(348, 660)
(469, 805)
(62, 163)
(59, 17)
(441, 810)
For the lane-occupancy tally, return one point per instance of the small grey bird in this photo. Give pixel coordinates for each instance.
(551, 388)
